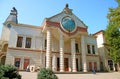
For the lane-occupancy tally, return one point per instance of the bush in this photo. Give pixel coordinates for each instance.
(46, 74)
(9, 72)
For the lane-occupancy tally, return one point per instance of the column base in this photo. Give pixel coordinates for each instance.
(84, 70)
(48, 67)
(74, 70)
(61, 70)
(53, 68)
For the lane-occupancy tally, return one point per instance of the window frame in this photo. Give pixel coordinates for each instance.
(19, 42)
(88, 49)
(28, 42)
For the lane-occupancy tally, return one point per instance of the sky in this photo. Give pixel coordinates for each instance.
(92, 12)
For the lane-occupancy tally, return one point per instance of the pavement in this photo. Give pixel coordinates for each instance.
(102, 75)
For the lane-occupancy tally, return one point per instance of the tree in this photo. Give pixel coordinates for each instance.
(112, 33)
(46, 74)
(9, 71)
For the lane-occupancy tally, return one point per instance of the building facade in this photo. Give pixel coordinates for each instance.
(61, 43)
(106, 63)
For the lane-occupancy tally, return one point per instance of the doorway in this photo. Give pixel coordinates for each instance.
(58, 64)
(92, 65)
(77, 64)
(66, 68)
(110, 63)
(17, 63)
(26, 63)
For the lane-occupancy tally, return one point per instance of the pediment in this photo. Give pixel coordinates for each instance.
(58, 18)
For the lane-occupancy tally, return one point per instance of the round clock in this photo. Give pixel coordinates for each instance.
(68, 24)
(9, 26)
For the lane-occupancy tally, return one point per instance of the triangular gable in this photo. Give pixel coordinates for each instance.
(57, 18)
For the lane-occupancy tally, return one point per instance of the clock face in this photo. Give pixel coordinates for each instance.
(68, 24)
(9, 26)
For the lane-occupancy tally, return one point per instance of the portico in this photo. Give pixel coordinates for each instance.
(66, 51)
(68, 38)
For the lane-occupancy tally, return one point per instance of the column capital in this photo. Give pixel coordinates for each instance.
(48, 30)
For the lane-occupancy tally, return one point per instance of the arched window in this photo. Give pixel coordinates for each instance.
(4, 49)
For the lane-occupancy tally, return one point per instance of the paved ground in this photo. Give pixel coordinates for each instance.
(111, 75)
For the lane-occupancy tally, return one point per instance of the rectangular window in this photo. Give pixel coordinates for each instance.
(19, 41)
(76, 48)
(45, 44)
(93, 49)
(28, 43)
(88, 48)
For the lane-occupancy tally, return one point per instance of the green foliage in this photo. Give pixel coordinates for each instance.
(9, 71)
(46, 74)
(112, 33)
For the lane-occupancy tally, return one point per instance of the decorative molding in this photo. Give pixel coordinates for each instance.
(55, 24)
(26, 49)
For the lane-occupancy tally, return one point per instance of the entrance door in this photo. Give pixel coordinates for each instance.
(77, 64)
(17, 62)
(26, 63)
(110, 63)
(66, 64)
(58, 64)
(90, 66)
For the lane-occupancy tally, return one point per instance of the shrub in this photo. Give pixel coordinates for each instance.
(9, 71)
(46, 74)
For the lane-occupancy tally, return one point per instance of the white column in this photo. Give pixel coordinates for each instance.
(24, 41)
(73, 55)
(54, 63)
(61, 53)
(83, 46)
(70, 67)
(48, 50)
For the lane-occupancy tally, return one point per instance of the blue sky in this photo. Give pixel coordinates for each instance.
(92, 12)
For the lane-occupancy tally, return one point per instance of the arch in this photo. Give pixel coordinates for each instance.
(111, 64)
(2, 62)
(4, 48)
